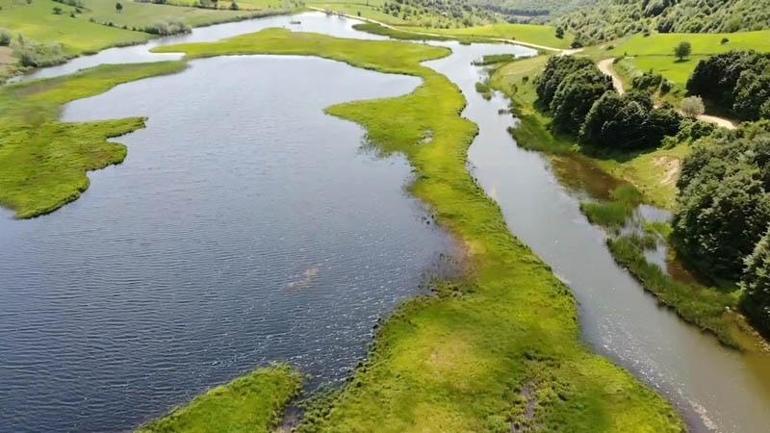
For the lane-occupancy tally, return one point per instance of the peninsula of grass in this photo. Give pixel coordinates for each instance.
(44, 162)
(499, 350)
(253, 403)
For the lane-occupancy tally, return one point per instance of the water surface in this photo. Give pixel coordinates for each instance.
(716, 389)
(245, 226)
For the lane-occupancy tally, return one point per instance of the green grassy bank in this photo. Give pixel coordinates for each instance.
(253, 403)
(656, 51)
(619, 182)
(43, 162)
(498, 351)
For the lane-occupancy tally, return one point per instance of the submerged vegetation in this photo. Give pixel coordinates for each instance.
(252, 403)
(44, 161)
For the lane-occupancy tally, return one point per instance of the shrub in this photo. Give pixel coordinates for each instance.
(5, 38)
(36, 55)
(166, 28)
(692, 106)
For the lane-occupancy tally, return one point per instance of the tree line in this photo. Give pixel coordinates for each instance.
(582, 102)
(723, 213)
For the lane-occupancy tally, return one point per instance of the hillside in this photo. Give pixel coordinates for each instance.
(610, 19)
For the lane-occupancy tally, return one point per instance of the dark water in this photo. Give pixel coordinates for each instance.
(715, 389)
(245, 226)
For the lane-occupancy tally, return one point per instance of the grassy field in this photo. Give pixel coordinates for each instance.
(43, 161)
(656, 52)
(252, 403)
(139, 15)
(495, 351)
(36, 21)
(369, 9)
(531, 33)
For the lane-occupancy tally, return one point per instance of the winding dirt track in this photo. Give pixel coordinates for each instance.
(605, 66)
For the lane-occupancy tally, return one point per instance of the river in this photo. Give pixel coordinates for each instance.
(716, 389)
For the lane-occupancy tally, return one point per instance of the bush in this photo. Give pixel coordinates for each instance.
(5, 38)
(36, 55)
(692, 106)
(648, 81)
(166, 28)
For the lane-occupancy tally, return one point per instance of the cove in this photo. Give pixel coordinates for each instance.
(245, 226)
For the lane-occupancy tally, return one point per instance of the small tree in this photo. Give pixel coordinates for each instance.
(5, 37)
(57, 10)
(693, 106)
(234, 6)
(559, 32)
(118, 7)
(683, 50)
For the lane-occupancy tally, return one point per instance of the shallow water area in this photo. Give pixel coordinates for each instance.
(245, 226)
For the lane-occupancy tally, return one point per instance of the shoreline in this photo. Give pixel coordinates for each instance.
(493, 333)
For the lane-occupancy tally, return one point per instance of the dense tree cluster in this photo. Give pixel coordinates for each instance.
(438, 13)
(723, 206)
(628, 122)
(756, 285)
(581, 101)
(738, 80)
(609, 19)
(724, 213)
(651, 83)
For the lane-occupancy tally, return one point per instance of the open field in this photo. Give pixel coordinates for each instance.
(252, 403)
(139, 15)
(77, 35)
(363, 8)
(495, 351)
(656, 52)
(535, 34)
(43, 161)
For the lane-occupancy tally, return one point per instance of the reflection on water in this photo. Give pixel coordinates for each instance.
(716, 389)
(245, 226)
